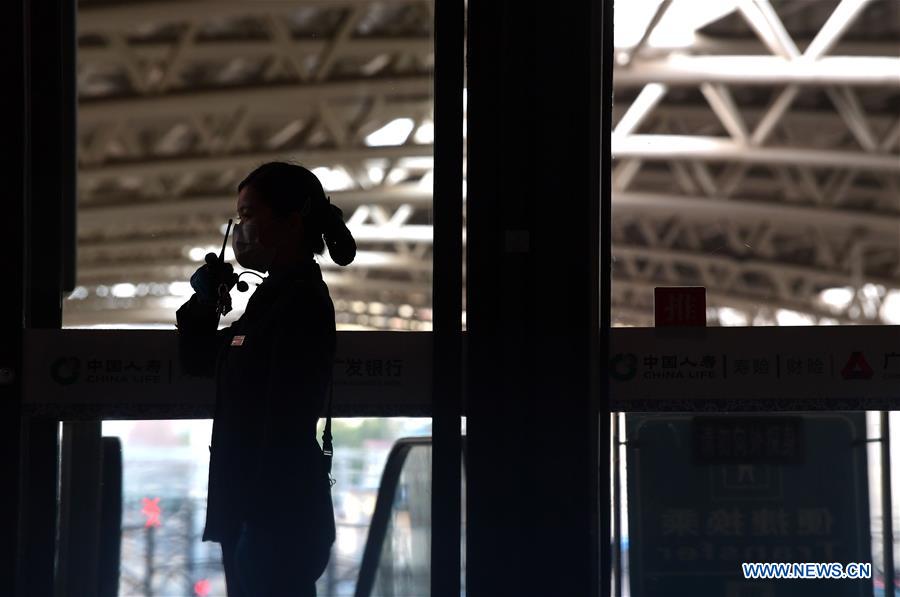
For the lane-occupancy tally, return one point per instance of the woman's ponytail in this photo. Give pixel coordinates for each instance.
(341, 245)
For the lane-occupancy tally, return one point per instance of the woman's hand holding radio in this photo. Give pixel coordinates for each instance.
(208, 277)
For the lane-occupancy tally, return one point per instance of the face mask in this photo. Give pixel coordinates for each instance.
(247, 249)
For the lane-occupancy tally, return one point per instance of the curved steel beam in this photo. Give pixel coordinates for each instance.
(700, 209)
(116, 17)
(101, 216)
(677, 69)
(271, 99)
(311, 158)
(689, 147)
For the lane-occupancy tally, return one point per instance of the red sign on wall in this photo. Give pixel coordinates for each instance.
(680, 306)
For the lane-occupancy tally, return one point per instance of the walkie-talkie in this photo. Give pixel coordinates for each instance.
(225, 276)
(217, 265)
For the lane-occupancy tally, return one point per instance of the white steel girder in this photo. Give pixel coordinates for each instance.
(865, 71)
(155, 47)
(93, 220)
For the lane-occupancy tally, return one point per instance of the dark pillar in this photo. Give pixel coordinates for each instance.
(447, 299)
(48, 249)
(78, 560)
(537, 436)
(14, 161)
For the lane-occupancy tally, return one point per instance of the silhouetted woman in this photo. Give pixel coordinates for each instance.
(269, 501)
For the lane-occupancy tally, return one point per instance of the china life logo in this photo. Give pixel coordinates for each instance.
(65, 370)
(623, 367)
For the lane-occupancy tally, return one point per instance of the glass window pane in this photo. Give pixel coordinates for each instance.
(165, 475)
(177, 105)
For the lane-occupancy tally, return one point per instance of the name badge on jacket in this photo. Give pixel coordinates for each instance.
(237, 341)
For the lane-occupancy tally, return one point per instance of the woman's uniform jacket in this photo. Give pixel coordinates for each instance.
(273, 371)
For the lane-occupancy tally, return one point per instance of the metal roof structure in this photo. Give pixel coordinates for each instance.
(178, 101)
(757, 153)
(756, 150)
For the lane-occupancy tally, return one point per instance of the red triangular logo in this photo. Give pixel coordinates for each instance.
(857, 367)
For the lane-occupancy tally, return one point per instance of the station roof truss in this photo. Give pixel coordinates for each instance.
(756, 148)
(179, 100)
(756, 152)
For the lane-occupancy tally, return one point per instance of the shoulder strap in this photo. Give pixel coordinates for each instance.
(327, 446)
